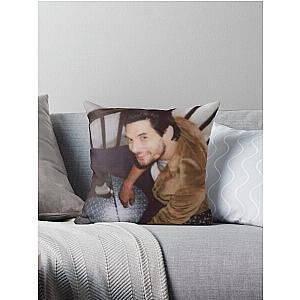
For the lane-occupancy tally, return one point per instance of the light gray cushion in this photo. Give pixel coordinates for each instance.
(234, 178)
(57, 200)
(222, 261)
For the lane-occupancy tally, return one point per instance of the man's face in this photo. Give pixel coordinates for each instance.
(147, 145)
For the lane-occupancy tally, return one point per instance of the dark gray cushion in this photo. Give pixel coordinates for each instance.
(222, 261)
(57, 200)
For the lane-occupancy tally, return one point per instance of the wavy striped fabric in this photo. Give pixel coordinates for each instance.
(234, 178)
(99, 261)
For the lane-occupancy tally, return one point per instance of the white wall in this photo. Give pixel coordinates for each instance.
(151, 54)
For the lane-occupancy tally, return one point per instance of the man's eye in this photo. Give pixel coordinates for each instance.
(144, 137)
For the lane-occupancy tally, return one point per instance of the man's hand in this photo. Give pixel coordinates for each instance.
(126, 194)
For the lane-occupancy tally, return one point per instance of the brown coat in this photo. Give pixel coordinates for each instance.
(181, 185)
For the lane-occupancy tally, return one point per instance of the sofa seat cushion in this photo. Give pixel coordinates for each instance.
(221, 261)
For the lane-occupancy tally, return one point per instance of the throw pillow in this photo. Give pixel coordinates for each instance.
(57, 200)
(112, 155)
(234, 175)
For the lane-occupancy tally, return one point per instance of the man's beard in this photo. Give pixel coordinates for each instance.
(146, 165)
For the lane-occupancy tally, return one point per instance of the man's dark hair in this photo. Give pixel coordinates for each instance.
(159, 119)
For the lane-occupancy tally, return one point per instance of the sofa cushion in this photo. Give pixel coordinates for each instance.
(234, 175)
(72, 134)
(222, 261)
(57, 200)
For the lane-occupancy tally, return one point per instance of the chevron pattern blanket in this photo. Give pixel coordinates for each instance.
(99, 261)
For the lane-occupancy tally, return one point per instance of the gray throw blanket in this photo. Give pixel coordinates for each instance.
(99, 261)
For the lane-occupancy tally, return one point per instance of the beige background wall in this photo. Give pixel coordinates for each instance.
(151, 54)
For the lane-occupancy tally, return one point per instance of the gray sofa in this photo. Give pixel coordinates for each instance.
(222, 261)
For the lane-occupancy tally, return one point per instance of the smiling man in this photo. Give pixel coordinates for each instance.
(180, 151)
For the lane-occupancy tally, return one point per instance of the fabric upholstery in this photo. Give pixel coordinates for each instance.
(241, 119)
(217, 262)
(72, 134)
(99, 261)
(57, 199)
(234, 175)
